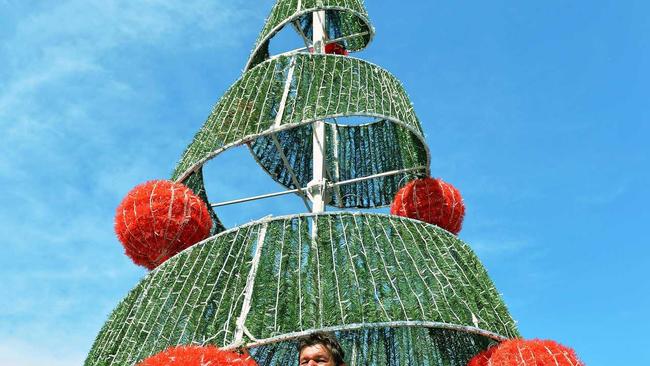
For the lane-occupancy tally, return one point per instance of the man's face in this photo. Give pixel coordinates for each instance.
(316, 355)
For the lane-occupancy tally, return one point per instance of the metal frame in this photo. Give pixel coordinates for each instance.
(305, 189)
(362, 326)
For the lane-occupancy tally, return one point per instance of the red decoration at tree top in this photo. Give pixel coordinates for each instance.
(158, 219)
(198, 356)
(333, 49)
(431, 200)
(519, 352)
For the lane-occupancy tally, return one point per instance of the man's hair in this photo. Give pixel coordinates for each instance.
(328, 340)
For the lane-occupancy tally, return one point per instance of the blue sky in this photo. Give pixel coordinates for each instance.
(537, 111)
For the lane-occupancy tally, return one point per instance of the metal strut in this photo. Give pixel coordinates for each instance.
(305, 189)
(318, 185)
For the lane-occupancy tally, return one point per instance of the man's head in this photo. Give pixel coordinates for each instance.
(320, 349)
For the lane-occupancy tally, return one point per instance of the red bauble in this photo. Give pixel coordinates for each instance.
(159, 219)
(519, 352)
(431, 200)
(198, 356)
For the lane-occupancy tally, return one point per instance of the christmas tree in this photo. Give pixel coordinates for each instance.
(398, 289)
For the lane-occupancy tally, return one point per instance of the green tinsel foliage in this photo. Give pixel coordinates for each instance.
(359, 271)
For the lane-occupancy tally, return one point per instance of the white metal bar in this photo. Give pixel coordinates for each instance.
(379, 325)
(254, 198)
(318, 182)
(379, 175)
(250, 284)
(318, 152)
(299, 190)
(285, 94)
(319, 30)
(350, 36)
(285, 161)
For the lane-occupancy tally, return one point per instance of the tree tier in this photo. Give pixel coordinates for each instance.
(292, 92)
(347, 20)
(267, 282)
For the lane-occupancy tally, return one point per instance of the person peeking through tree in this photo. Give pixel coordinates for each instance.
(320, 349)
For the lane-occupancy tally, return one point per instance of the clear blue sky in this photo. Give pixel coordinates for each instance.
(538, 111)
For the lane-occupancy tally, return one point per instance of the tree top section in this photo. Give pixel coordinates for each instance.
(347, 23)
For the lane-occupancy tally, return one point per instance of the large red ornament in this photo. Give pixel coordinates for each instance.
(158, 219)
(519, 352)
(198, 356)
(431, 200)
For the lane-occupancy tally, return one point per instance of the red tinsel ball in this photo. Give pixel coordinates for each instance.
(519, 352)
(158, 219)
(198, 356)
(431, 200)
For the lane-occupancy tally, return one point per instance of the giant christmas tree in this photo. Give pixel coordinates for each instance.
(395, 290)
